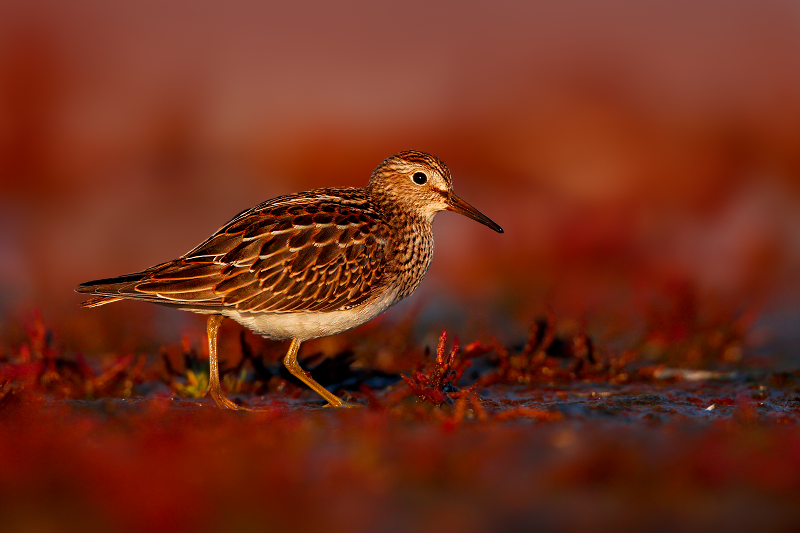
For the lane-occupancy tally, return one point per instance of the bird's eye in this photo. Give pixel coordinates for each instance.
(419, 178)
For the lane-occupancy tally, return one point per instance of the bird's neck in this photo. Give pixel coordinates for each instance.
(398, 215)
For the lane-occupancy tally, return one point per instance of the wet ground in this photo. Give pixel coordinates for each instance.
(659, 457)
(472, 438)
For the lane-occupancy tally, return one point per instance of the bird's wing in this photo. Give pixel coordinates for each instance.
(319, 251)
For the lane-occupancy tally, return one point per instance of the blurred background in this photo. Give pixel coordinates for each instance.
(643, 158)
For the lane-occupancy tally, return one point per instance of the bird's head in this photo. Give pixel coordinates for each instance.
(420, 183)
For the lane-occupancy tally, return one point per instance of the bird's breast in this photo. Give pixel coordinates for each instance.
(412, 258)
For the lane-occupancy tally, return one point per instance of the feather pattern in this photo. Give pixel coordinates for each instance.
(323, 250)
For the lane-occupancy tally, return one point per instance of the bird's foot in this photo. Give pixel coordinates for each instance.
(223, 402)
(335, 401)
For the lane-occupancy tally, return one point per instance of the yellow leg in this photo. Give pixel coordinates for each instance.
(214, 389)
(294, 367)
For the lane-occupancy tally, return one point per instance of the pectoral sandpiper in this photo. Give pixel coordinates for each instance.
(306, 265)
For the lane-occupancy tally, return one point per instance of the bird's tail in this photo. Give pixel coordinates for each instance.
(177, 284)
(109, 290)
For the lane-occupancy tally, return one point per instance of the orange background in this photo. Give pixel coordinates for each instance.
(634, 154)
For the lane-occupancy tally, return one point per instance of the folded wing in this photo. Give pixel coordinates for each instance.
(321, 251)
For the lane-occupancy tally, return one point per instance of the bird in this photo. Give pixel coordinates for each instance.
(306, 265)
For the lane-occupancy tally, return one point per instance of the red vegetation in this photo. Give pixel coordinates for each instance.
(550, 433)
(439, 384)
(40, 367)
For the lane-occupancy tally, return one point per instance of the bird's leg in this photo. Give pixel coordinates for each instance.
(294, 367)
(214, 389)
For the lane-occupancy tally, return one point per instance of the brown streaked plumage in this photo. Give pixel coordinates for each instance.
(306, 265)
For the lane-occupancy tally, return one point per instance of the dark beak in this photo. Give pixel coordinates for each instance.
(457, 205)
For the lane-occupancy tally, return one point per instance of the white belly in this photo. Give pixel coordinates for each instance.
(311, 325)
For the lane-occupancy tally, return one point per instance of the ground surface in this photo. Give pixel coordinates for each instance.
(553, 434)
